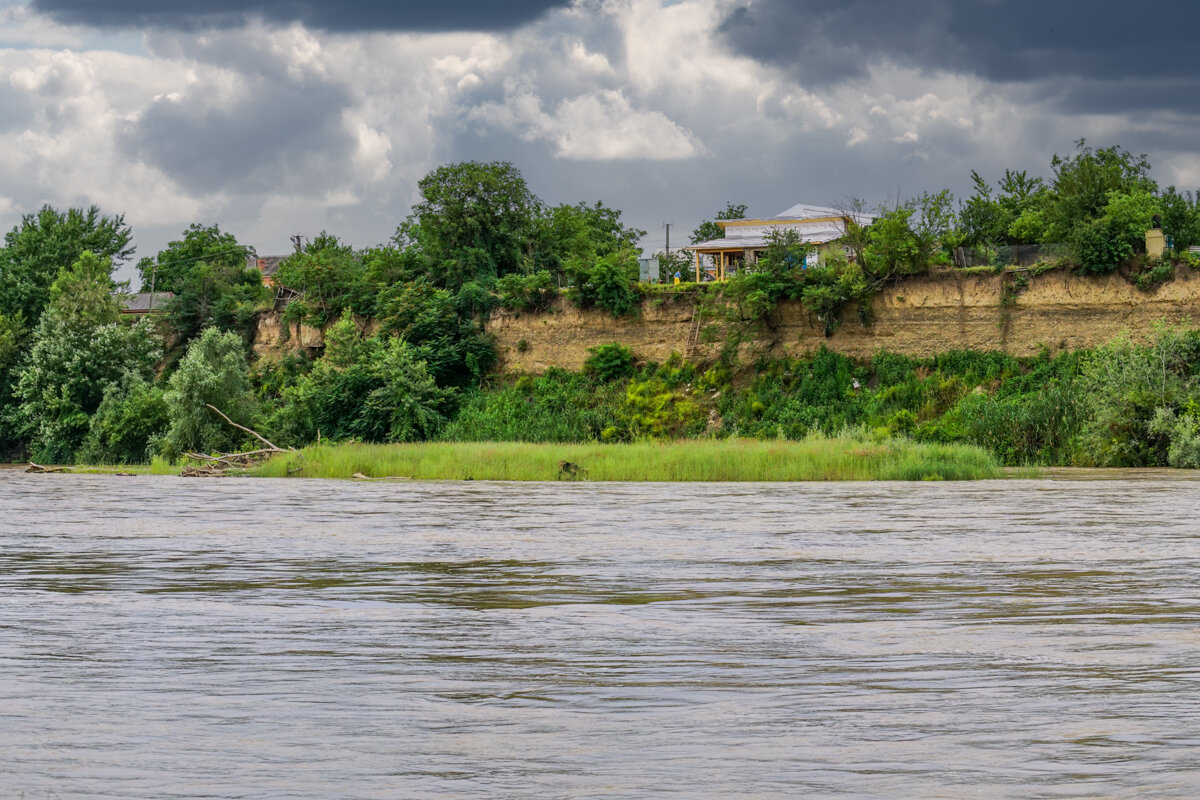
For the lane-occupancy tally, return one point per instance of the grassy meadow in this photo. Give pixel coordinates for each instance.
(812, 459)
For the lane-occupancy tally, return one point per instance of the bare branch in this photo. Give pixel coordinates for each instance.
(255, 434)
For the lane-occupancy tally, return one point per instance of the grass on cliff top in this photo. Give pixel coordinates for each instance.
(703, 460)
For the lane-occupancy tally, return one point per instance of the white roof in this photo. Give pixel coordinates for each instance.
(810, 211)
(761, 242)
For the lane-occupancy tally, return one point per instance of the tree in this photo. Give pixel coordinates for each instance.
(169, 270)
(43, 244)
(609, 283)
(225, 297)
(584, 233)
(331, 277)
(708, 230)
(213, 371)
(374, 389)
(474, 222)
(1181, 218)
(893, 247)
(83, 293)
(1082, 184)
(130, 418)
(79, 349)
(453, 347)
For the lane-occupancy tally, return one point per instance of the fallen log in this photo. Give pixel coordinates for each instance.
(38, 469)
(219, 463)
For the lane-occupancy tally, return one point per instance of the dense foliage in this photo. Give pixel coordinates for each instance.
(407, 357)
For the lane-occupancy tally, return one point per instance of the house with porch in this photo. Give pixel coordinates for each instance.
(745, 239)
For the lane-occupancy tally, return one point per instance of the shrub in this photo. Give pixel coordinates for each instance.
(609, 284)
(533, 292)
(125, 428)
(609, 362)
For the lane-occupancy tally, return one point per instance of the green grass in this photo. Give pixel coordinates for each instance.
(159, 466)
(814, 459)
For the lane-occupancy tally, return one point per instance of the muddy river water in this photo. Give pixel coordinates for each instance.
(170, 638)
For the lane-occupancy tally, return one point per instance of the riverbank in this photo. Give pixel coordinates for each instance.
(814, 459)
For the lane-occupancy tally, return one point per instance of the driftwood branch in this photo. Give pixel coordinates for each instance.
(255, 434)
(39, 469)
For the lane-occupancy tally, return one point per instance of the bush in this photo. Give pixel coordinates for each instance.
(533, 292)
(555, 407)
(609, 284)
(373, 390)
(125, 428)
(609, 362)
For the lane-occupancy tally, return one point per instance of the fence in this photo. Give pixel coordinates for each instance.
(1015, 255)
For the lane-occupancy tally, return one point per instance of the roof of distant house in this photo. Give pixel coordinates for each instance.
(267, 265)
(140, 303)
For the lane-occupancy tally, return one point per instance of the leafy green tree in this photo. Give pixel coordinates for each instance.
(708, 230)
(1181, 218)
(226, 297)
(981, 218)
(130, 419)
(84, 292)
(1138, 397)
(80, 347)
(171, 269)
(1103, 243)
(12, 337)
(474, 222)
(987, 221)
(609, 283)
(331, 278)
(43, 244)
(533, 292)
(213, 371)
(453, 347)
(582, 233)
(933, 224)
(777, 275)
(893, 247)
(371, 389)
(1082, 185)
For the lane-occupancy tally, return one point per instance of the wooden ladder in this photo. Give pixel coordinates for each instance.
(693, 339)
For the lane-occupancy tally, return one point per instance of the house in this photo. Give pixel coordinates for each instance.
(267, 265)
(745, 239)
(145, 303)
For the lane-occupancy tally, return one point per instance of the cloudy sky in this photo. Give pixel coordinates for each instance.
(276, 117)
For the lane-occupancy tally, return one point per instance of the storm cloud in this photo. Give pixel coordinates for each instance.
(1071, 49)
(342, 16)
(294, 117)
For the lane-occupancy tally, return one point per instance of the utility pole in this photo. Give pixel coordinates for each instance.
(667, 225)
(153, 275)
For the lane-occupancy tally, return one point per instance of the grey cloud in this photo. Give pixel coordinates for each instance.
(275, 132)
(1054, 45)
(349, 15)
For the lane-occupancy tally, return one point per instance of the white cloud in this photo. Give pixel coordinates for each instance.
(600, 126)
(19, 26)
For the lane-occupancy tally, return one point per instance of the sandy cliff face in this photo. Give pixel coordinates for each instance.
(920, 317)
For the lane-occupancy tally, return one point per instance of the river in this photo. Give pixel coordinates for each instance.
(236, 638)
